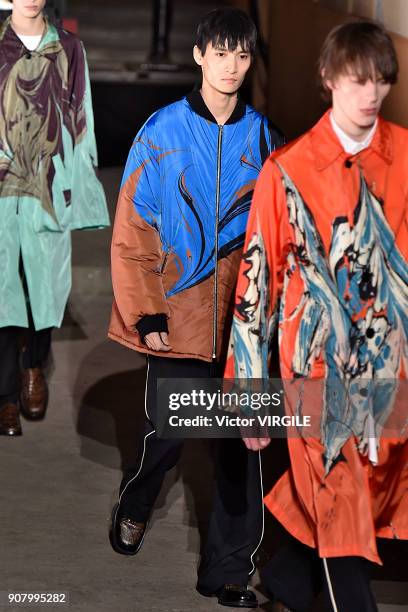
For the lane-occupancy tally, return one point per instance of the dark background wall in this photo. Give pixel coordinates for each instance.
(283, 82)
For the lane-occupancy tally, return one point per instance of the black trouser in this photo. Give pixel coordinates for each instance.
(36, 349)
(236, 522)
(296, 575)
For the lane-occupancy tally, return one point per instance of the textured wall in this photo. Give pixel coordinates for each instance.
(393, 13)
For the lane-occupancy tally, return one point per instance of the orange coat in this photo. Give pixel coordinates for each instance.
(327, 238)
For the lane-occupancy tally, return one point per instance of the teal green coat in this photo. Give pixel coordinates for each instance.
(48, 182)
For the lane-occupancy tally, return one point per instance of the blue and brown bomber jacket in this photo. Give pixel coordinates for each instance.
(180, 225)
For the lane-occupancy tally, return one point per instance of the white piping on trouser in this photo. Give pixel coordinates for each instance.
(145, 438)
(329, 584)
(263, 515)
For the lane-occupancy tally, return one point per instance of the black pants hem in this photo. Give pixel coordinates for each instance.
(296, 576)
(236, 520)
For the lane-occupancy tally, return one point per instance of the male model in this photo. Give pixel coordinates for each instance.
(177, 241)
(48, 187)
(328, 233)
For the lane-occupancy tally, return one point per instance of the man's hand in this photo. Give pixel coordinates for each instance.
(158, 341)
(256, 444)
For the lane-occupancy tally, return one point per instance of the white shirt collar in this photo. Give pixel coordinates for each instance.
(349, 145)
(30, 42)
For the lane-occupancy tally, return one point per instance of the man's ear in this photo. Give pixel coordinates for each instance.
(327, 83)
(197, 55)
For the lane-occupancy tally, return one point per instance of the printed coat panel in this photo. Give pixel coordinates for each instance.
(326, 256)
(48, 182)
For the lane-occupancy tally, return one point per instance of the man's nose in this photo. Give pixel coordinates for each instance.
(232, 65)
(372, 90)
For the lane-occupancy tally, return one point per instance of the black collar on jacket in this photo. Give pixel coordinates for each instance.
(198, 105)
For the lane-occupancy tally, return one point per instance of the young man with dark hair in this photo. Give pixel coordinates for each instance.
(329, 227)
(177, 239)
(48, 187)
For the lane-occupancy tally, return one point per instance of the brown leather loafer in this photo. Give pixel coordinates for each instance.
(126, 536)
(34, 394)
(10, 420)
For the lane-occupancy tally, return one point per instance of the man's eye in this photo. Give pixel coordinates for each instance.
(220, 54)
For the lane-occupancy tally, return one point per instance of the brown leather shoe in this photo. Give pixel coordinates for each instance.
(10, 420)
(131, 533)
(34, 394)
(126, 536)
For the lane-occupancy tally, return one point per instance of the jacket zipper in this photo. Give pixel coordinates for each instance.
(217, 213)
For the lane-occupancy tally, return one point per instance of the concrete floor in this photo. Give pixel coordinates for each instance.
(60, 479)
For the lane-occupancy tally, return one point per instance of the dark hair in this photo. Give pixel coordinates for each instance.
(227, 26)
(360, 46)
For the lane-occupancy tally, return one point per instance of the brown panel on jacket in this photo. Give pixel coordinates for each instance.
(190, 314)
